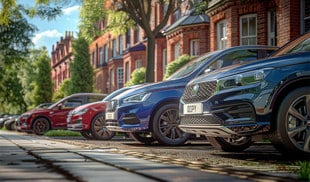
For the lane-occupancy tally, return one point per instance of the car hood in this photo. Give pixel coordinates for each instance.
(153, 87)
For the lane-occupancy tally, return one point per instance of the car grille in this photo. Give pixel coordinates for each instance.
(199, 120)
(204, 91)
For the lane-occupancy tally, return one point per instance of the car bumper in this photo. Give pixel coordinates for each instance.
(130, 118)
(77, 123)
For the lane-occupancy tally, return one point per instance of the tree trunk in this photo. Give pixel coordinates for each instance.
(150, 60)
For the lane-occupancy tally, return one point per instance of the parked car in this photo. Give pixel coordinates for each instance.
(268, 98)
(89, 119)
(41, 120)
(150, 113)
(10, 123)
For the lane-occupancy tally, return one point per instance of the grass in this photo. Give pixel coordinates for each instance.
(68, 133)
(304, 171)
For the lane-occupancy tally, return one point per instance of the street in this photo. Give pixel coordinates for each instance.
(26, 157)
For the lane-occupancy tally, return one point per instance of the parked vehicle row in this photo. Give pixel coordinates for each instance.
(231, 96)
(54, 116)
(150, 113)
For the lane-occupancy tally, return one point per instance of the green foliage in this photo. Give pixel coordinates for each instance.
(304, 171)
(55, 133)
(43, 87)
(92, 12)
(81, 69)
(176, 64)
(119, 22)
(137, 77)
(201, 7)
(63, 90)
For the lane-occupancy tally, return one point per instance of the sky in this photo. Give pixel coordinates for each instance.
(49, 32)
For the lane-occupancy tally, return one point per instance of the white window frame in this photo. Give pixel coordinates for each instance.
(165, 61)
(138, 63)
(248, 37)
(120, 76)
(195, 47)
(272, 22)
(221, 34)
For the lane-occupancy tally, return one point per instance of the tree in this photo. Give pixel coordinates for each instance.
(140, 12)
(81, 69)
(137, 77)
(92, 12)
(63, 90)
(43, 87)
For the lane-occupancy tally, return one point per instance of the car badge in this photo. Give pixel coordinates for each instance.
(195, 90)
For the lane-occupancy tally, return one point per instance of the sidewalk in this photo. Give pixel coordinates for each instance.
(32, 158)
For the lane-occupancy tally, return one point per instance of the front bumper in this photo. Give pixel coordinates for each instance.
(77, 123)
(130, 118)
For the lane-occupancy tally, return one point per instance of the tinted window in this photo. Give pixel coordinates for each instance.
(72, 102)
(234, 57)
(94, 98)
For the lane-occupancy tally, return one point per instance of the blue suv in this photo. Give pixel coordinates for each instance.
(151, 112)
(265, 99)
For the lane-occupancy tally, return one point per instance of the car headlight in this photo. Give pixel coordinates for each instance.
(25, 116)
(242, 79)
(80, 112)
(137, 98)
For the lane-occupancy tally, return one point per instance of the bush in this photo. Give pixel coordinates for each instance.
(176, 64)
(137, 77)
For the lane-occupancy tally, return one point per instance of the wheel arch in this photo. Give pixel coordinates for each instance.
(49, 121)
(158, 106)
(284, 91)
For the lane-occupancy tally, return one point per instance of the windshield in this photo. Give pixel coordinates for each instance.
(300, 44)
(191, 66)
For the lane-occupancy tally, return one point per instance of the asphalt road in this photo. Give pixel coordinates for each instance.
(26, 157)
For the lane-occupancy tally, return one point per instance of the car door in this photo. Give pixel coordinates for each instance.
(59, 115)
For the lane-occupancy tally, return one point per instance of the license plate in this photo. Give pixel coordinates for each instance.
(195, 108)
(110, 115)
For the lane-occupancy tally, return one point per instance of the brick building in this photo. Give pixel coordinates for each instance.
(227, 23)
(61, 58)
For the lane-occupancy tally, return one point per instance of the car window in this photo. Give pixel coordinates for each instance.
(191, 66)
(72, 102)
(234, 57)
(303, 46)
(94, 98)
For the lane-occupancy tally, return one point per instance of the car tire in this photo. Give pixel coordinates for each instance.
(291, 134)
(98, 128)
(229, 144)
(40, 126)
(8, 124)
(142, 137)
(165, 126)
(87, 135)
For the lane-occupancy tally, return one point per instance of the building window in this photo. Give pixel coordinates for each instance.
(195, 47)
(165, 62)
(138, 64)
(221, 34)
(176, 50)
(248, 27)
(120, 77)
(272, 23)
(120, 44)
(127, 71)
(114, 47)
(106, 53)
(128, 37)
(137, 34)
(305, 15)
(101, 56)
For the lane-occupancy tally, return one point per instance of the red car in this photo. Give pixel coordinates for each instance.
(89, 119)
(40, 121)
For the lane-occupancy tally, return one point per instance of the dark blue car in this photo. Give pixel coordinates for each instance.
(151, 112)
(266, 99)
